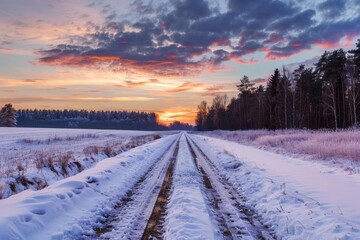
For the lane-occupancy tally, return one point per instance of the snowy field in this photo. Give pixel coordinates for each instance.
(187, 186)
(35, 157)
(340, 149)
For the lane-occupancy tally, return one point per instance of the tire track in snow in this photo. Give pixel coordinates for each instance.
(213, 198)
(188, 214)
(155, 226)
(236, 219)
(130, 214)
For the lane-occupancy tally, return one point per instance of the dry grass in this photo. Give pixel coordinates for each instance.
(26, 140)
(91, 150)
(50, 160)
(344, 144)
(324, 145)
(8, 172)
(44, 160)
(53, 139)
(321, 144)
(156, 136)
(63, 160)
(22, 167)
(108, 151)
(282, 140)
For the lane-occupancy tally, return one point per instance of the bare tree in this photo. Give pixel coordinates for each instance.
(353, 88)
(330, 94)
(201, 116)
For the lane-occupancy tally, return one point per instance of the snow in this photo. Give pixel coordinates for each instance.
(63, 209)
(300, 199)
(187, 214)
(296, 199)
(30, 149)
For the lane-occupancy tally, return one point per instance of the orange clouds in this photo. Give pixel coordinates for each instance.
(78, 60)
(244, 61)
(296, 44)
(170, 66)
(214, 88)
(187, 86)
(135, 84)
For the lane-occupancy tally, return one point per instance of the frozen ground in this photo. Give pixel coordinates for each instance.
(190, 187)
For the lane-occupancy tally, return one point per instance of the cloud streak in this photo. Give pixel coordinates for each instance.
(185, 87)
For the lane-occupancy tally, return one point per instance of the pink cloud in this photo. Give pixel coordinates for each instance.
(185, 87)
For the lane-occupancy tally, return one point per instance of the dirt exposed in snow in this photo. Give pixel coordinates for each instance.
(155, 225)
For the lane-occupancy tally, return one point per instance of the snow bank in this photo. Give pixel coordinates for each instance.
(53, 213)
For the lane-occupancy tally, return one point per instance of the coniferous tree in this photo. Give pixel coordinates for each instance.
(272, 96)
(284, 99)
(233, 115)
(260, 97)
(245, 91)
(308, 98)
(8, 116)
(356, 57)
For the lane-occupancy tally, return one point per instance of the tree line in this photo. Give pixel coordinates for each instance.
(326, 95)
(85, 115)
(68, 118)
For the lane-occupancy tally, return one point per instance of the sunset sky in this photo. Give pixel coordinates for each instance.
(162, 56)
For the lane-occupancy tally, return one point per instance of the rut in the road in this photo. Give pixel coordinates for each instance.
(221, 194)
(212, 197)
(155, 228)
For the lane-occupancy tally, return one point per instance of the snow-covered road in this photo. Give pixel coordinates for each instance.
(188, 187)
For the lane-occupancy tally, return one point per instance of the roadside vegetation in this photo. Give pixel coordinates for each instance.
(337, 148)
